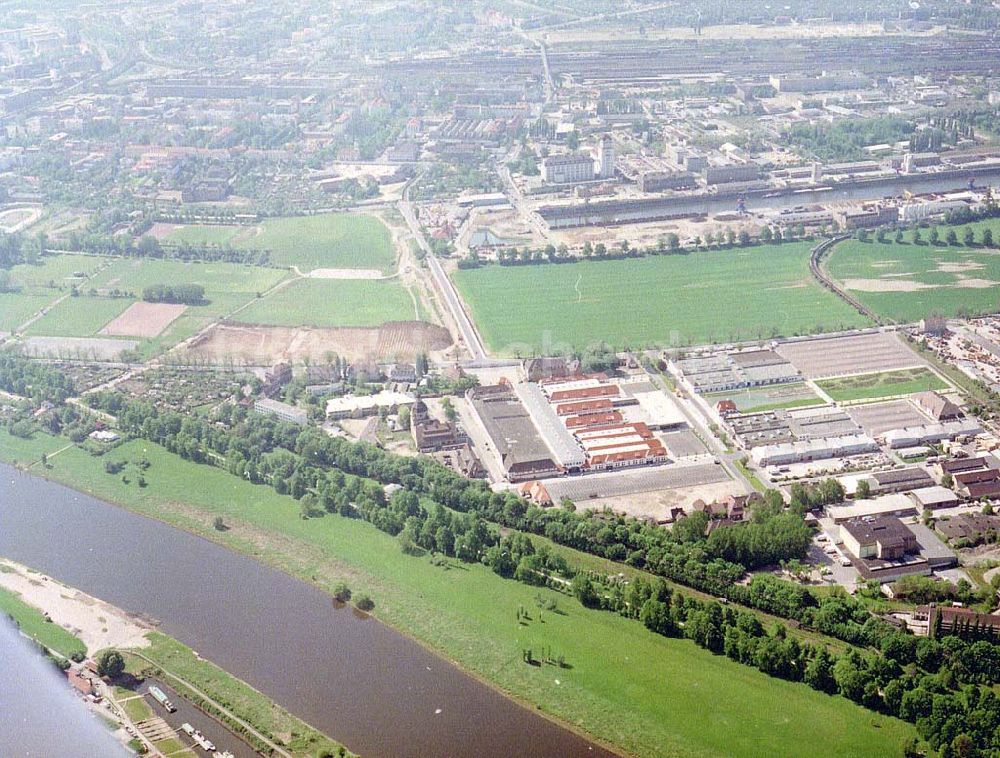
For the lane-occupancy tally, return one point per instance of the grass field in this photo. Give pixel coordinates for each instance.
(79, 316)
(333, 302)
(880, 385)
(335, 240)
(908, 282)
(238, 696)
(777, 397)
(704, 297)
(56, 270)
(32, 622)
(650, 695)
(17, 307)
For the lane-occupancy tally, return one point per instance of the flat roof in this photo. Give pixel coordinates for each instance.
(511, 429)
(553, 431)
(895, 503)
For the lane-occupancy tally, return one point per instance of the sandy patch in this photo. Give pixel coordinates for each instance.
(345, 273)
(975, 284)
(657, 504)
(97, 623)
(884, 264)
(144, 319)
(958, 267)
(886, 285)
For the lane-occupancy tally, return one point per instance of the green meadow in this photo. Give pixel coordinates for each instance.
(907, 282)
(879, 385)
(646, 694)
(703, 297)
(333, 302)
(332, 240)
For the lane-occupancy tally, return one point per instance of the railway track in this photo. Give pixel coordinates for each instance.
(816, 268)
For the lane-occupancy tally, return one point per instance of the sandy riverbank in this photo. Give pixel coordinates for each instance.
(96, 623)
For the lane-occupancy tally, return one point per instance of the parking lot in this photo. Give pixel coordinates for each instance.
(616, 483)
(683, 444)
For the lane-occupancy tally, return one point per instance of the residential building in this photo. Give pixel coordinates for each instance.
(360, 406)
(283, 411)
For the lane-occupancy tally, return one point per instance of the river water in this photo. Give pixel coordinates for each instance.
(354, 678)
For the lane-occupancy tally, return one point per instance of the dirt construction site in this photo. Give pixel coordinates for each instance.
(264, 345)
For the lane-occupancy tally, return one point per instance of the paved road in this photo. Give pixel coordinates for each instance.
(699, 422)
(449, 295)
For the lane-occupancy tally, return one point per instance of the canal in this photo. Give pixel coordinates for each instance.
(352, 677)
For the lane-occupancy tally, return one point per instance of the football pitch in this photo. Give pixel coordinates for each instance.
(676, 300)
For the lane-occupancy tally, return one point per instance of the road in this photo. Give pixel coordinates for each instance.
(449, 296)
(699, 423)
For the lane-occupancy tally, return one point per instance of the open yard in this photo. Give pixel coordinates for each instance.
(907, 282)
(333, 240)
(651, 695)
(333, 302)
(886, 384)
(704, 297)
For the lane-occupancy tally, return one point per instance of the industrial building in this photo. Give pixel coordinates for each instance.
(885, 538)
(898, 505)
(931, 433)
(735, 371)
(523, 453)
(570, 168)
(804, 451)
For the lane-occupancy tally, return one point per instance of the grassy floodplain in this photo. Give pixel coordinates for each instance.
(333, 302)
(332, 240)
(880, 385)
(712, 296)
(650, 695)
(907, 282)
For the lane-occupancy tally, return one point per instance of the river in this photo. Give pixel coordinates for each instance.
(354, 678)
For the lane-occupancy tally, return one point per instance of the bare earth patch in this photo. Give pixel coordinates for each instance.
(144, 319)
(265, 345)
(976, 284)
(345, 273)
(886, 285)
(958, 267)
